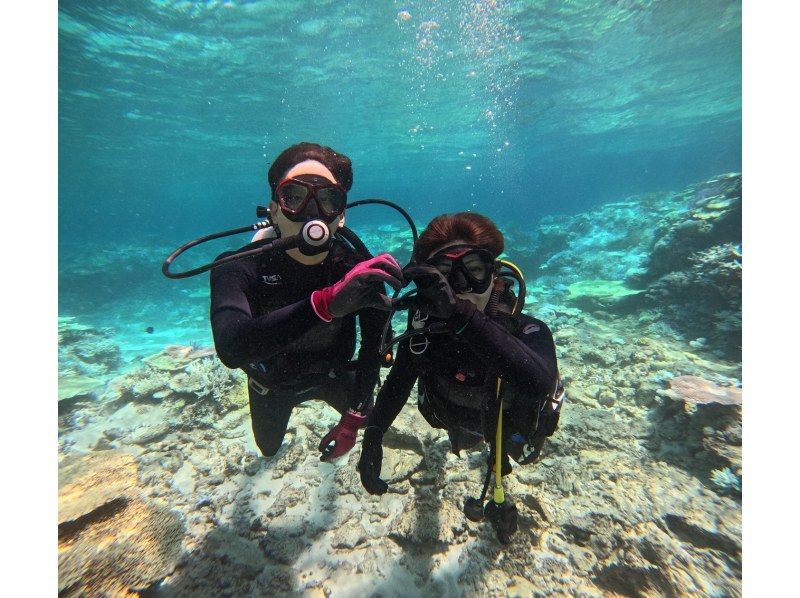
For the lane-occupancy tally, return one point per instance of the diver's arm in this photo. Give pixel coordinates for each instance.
(527, 359)
(395, 390)
(342, 436)
(239, 338)
(368, 367)
(391, 398)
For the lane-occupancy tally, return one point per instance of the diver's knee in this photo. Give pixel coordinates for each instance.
(268, 440)
(269, 447)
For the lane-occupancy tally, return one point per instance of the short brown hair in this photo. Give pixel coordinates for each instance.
(339, 164)
(467, 226)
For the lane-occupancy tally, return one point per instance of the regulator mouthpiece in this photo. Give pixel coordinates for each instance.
(316, 237)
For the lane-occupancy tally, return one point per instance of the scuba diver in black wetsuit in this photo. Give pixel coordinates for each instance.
(476, 361)
(288, 319)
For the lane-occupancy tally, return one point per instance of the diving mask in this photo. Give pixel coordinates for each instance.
(468, 269)
(294, 194)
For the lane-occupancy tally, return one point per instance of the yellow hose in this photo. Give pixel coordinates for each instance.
(499, 495)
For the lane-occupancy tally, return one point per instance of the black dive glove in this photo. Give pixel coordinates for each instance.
(435, 296)
(369, 465)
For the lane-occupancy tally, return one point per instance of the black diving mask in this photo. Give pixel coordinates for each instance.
(468, 269)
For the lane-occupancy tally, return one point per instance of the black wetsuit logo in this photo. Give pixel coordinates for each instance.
(271, 279)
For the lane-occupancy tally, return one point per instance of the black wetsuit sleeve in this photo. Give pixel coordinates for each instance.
(526, 358)
(394, 392)
(239, 338)
(368, 367)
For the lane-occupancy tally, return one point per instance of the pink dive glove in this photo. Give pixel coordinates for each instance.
(359, 288)
(342, 437)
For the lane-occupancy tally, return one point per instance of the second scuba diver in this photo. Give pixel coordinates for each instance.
(288, 319)
(462, 337)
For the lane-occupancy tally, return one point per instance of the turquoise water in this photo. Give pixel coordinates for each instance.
(170, 112)
(594, 133)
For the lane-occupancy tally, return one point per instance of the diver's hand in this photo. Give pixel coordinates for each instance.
(527, 450)
(522, 451)
(342, 436)
(435, 296)
(369, 465)
(358, 288)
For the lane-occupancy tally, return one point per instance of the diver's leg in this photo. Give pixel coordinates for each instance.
(270, 416)
(338, 392)
(462, 439)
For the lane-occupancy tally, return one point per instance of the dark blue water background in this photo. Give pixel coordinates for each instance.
(170, 112)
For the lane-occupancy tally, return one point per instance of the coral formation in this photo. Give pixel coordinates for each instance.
(682, 250)
(698, 413)
(141, 544)
(700, 391)
(99, 505)
(726, 481)
(694, 270)
(176, 357)
(213, 378)
(191, 373)
(86, 358)
(599, 294)
(92, 481)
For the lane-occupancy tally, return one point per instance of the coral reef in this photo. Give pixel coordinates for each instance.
(177, 357)
(710, 214)
(694, 271)
(92, 481)
(681, 250)
(699, 423)
(599, 294)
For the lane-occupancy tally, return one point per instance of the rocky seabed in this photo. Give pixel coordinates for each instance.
(162, 491)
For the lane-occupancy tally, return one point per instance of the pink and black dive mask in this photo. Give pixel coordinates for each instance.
(468, 269)
(294, 196)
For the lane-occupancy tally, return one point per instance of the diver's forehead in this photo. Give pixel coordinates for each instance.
(446, 245)
(311, 167)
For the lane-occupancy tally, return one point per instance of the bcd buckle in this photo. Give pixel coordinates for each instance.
(257, 386)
